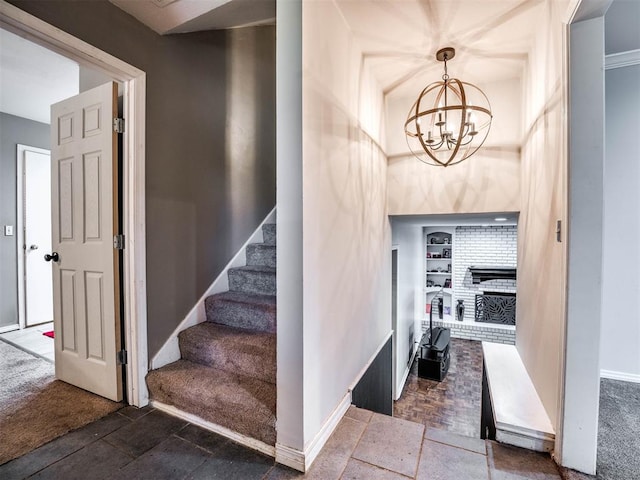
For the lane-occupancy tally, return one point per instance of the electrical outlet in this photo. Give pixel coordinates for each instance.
(8, 230)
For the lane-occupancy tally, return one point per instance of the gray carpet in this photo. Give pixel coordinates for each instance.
(619, 431)
(227, 371)
(22, 374)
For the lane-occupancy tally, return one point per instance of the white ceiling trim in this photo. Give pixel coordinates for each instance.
(623, 59)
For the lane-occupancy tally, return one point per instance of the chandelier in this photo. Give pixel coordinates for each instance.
(449, 121)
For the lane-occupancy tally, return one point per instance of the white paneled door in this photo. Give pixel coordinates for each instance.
(35, 171)
(84, 221)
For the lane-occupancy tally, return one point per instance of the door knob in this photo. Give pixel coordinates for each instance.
(54, 256)
(33, 247)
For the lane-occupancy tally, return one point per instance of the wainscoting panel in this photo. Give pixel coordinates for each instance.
(374, 391)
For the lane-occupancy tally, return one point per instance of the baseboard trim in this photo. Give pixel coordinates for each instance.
(9, 328)
(170, 351)
(400, 387)
(624, 377)
(314, 446)
(212, 427)
(302, 460)
(537, 444)
(290, 457)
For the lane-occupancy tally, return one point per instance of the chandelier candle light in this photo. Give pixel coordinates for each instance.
(449, 121)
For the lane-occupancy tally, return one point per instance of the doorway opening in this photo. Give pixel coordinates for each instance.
(133, 206)
(447, 267)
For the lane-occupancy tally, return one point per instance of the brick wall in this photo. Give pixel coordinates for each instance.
(482, 246)
(477, 331)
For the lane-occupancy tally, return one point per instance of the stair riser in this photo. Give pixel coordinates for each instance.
(258, 363)
(261, 283)
(261, 255)
(241, 315)
(269, 233)
(245, 410)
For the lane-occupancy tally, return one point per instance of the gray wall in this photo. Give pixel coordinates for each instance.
(621, 32)
(210, 144)
(620, 337)
(13, 130)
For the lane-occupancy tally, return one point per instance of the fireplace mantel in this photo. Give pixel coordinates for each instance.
(482, 274)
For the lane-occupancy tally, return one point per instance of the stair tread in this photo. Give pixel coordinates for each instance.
(265, 246)
(248, 352)
(254, 268)
(243, 404)
(213, 332)
(243, 310)
(243, 297)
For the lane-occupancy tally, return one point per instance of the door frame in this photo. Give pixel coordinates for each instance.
(394, 323)
(20, 150)
(134, 273)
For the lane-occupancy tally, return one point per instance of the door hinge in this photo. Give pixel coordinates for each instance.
(118, 125)
(122, 357)
(559, 231)
(118, 242)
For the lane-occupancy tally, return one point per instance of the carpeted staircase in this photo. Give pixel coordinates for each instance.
(227, 371)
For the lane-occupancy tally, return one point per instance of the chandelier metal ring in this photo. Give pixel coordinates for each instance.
(449, 121)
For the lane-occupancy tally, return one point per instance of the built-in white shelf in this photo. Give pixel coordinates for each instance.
(437, 289)
(439, 273)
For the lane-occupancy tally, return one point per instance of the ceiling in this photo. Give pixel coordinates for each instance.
(399, 39)
(181, 16)
(32, 78)
(484, 219)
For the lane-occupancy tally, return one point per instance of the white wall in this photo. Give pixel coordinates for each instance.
(346, 232)
(578, 441)
(290, 401)
(541, 259)
(408, 238)
(489, 181)
(620, 334)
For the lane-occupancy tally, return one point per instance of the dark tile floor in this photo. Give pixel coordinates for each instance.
(148, 444)
(453, 404)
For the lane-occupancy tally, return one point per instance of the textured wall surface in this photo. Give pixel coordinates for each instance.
(13, 130)
(210, 144)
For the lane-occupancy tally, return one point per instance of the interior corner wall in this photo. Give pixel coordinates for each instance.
(13, 131)
(620, 332)
(408, 238)
(290, 385)
(487, 182)
(210, 144)
(541, 259)
(346, 231)
(584, 262)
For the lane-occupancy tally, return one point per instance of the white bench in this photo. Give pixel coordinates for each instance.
(512, 412)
